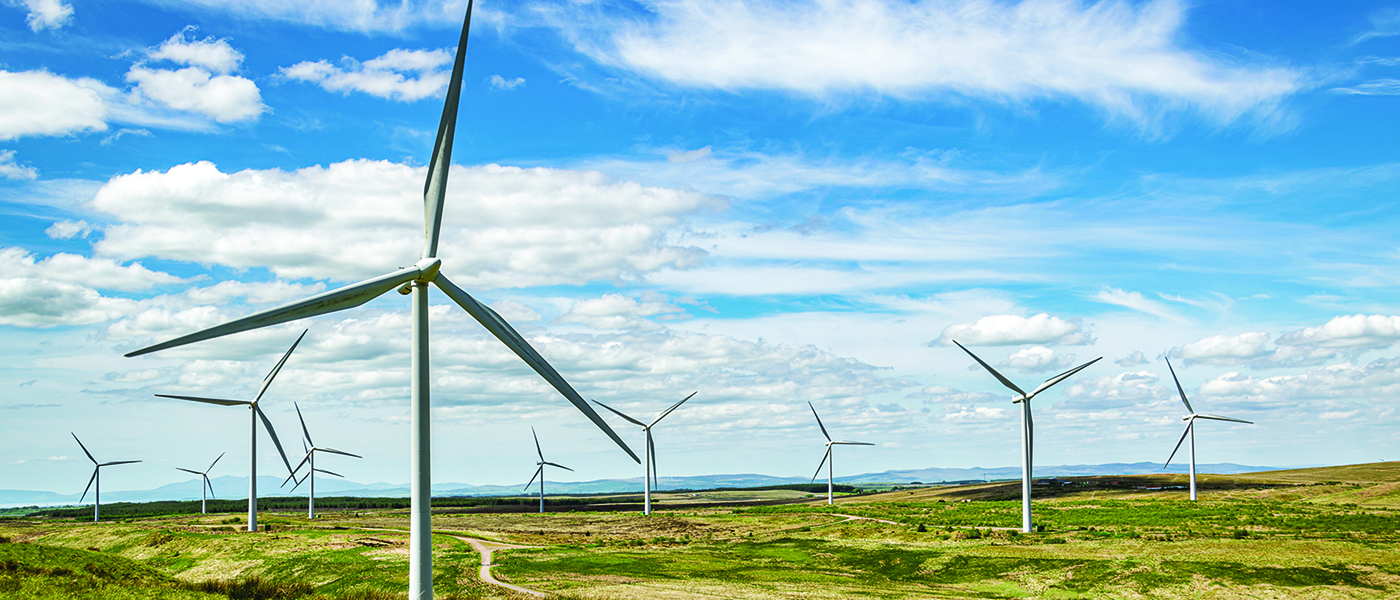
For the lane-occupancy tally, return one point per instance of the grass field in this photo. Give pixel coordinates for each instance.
(1317, 533)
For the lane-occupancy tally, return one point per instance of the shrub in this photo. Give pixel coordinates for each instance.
(922, 529)
(1241, 534)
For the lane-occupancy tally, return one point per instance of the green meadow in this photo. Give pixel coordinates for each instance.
(1319, 533)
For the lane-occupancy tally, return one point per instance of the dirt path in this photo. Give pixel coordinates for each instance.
(855, 518)
(484, 548)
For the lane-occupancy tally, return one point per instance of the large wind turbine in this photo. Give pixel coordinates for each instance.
(829, 459)
(649, 468)
(310, 460)
(540, 471)
(1191, 428)
(414, 280)
(204, 483)
(96, 469)
(1027, 426)
(255, 413)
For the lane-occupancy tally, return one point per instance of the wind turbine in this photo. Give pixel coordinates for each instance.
(255, 413)
(205, 483)
(414, 280)
(1027, 426)
(828, 459)
(96, 469)
(1191, 428)
(649, 465)
(311, 472)
(540, 471)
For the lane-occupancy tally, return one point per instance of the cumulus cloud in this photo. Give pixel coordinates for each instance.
(1010, 330)
(1348, 331)
(504, 226)
(515, 312)
(1224, 349)
(941, 394)
(46, 303)
(501, 83)
(205, 86)
(50, 14)
(1036, 359)
(962, 413)
(1121, 57)
(9, 169)
(1112, 391)
(357, 15)
(1376, 381)
(1132, 360)
(101, 273)
(616, 311)
(67, 230)
(41, 103)
(403, 75)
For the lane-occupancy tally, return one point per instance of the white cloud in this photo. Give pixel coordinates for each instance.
(100, 273)
(1132, 360)
(1036, 359)
(43, 14)
(1010, 330)
(616, 311)
(403, 75)
(1348, 331)
(1134, 388)
(206, 86)
(973, 413)
(351, 15)
(504, 226)
(9, 169)
(1224, 349)
(1376, 381)
(41, 103)
(515, 312)
(213, 55)
(1120, 57)
(940, 394)
(501, 83)
(1136, 301)
(28, 302)
(1378, 87)
(67, 230)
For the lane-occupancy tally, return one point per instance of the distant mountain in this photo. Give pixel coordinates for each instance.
(231, 487)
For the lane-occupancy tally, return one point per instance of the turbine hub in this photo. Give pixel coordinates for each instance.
(427, 269)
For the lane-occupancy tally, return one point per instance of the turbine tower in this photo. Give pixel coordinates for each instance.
(204, 484)
(540, 471)
(96, 469)
(829, 459)
(310, 460)
(1191, 428)
(414, 280)
(649, 453)
(255, 413)
(1027, 426)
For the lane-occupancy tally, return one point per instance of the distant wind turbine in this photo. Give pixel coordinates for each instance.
(414, 280)
(204, 484)
(649, 465)
(96, 470)
(1027, 426)
(255, 413)
(829, 459)
(1191, 428)
(540, 471)
(310, 460)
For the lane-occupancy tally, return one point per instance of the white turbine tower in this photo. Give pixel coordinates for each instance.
(649, 453)
(255, 413)
(829, 459)
(96, 469)
(1191, 428)
(540, 471)
(414, 280)
(310, 460)
(204, 484)
(1027, 426)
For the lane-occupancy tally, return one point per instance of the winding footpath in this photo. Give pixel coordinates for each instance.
(485, 548)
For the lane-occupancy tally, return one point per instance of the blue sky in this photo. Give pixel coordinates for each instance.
(769, 202)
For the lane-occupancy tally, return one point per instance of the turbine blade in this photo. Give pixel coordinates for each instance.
(507, 334)
(618, 413)
(1220, 418)
(330, 473)
(89, 485)
(219, 401)
(1063, 376)
(1004, 381)
(673, 407)
(537, 444)
(1178, 444)
(80, 445)
(299, 482)
(821, 464)
(189, 471)
(651, 449)
(211, 487)
(558, 465)
(118, 462)
(276, 442)
(819, 421)
(304, 431)
(340, 452)
(267, 381)
(1178, 387)
(435, 188)
(303, 461)
(349, 296)
(216, 461)
(538, 472)
(853, 443)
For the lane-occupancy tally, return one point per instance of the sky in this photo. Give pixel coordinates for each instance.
(769, 202)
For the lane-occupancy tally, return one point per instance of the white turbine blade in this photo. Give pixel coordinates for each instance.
(303, 461)
(615, 411)
(821, 464)
(1220, 418)
(304, 431)
(435, 188)
(538, 472)
(189, 471)
(219, 401)
(89, 485)
(349, 296)
(507, 334)
(118, 462)
(340, 452)
(853, 443)
(329, 473)
(1063, 376)
(273, 433)
(673, 407)
(216, 461)
(1004, 381)
(80, 445)
(1178, 444)
(211, 487)
(651, 448)
(819, 421)
(537, 444)
(1178, 387)
(558, 465)
(267, 381)
(299, 481)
